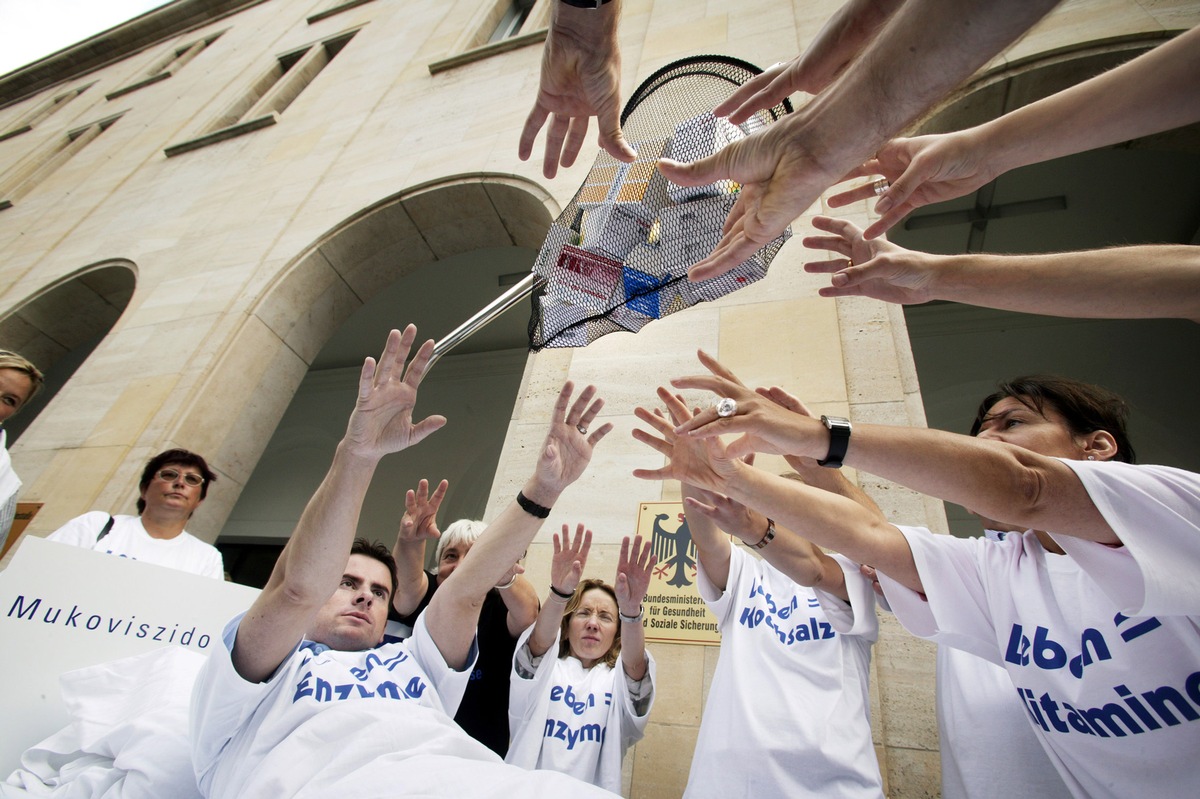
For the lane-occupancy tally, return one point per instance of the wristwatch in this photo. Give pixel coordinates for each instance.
(839, 440)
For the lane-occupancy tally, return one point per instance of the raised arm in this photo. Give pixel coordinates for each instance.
(634, 569)
(418, 525)
(709, 513)
(827, 519)
(566, 569)
(1154, 92)
(840, 40)
(453, 613)
(1000, 481)
(712, 546)
(520, 599)
(785, 168)
(581, 78)
(1142, 282)
(312, 562)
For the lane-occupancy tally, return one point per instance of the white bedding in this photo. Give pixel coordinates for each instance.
(128, 733)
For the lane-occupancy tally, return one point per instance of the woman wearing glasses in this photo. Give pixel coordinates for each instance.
(578, 711)
(173, 485)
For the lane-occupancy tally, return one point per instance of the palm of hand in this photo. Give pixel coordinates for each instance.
(689, 461)
(635, 585)
(563, 573)
(382, 421)
(783, 181)
(565, 455)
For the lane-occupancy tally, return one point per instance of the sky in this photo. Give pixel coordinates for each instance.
(31, 29)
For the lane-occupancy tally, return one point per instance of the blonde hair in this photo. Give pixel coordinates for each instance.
(13, 360)
(564, 643)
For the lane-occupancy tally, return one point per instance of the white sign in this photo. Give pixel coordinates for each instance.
(63, 608)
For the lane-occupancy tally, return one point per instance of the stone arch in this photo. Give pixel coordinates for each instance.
(1025, 80)
(370, 250)
(284, 330)
(58, 326)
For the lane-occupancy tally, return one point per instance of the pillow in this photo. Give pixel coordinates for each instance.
(128, 732)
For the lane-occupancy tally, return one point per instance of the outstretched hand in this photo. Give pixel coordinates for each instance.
(382, 421)
(765, 424)
(841, 39)
(698, 462)
(568, 447)
(419, 522)
(871, 268)
(570, 556)
(634, 569)
(729, 515)
(581, 78)
(780, 179)
(921, 170)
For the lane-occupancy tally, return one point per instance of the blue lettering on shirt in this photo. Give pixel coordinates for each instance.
(1046, 652)
(796, 630)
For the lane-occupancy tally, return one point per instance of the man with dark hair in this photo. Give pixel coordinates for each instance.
(173, 485)
(302, 698)
(373, 549)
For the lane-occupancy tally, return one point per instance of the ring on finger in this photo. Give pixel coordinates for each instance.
(725, 407)
(581, 429)
(880, 186)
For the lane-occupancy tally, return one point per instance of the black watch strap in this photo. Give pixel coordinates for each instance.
(839, 440)
(531, 507)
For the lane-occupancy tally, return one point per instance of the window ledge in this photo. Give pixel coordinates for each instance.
(133, 87)
(488, 50)
(329, 12)
(231, 132)
(16, 132)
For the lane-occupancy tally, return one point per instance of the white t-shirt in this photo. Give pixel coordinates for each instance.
(371, 724)
(10, 484)
(129, 539)
(573, 720)
(1112, 692)
(788, 711)
(988, 749)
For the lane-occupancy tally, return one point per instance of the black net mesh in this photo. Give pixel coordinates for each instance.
(617, 257)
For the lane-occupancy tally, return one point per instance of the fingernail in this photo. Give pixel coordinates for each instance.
(839, 279)
(884, 205)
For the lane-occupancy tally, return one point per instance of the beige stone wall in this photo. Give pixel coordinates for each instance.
(235, 294)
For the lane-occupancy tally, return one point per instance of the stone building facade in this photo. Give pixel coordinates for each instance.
(196, 202)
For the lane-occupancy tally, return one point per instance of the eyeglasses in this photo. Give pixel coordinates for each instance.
(602, 616)
(171, 475)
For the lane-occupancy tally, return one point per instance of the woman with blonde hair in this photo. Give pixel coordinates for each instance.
(19, 381)
(580, 711)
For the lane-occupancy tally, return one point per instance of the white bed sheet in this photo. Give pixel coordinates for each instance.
(128, 733)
